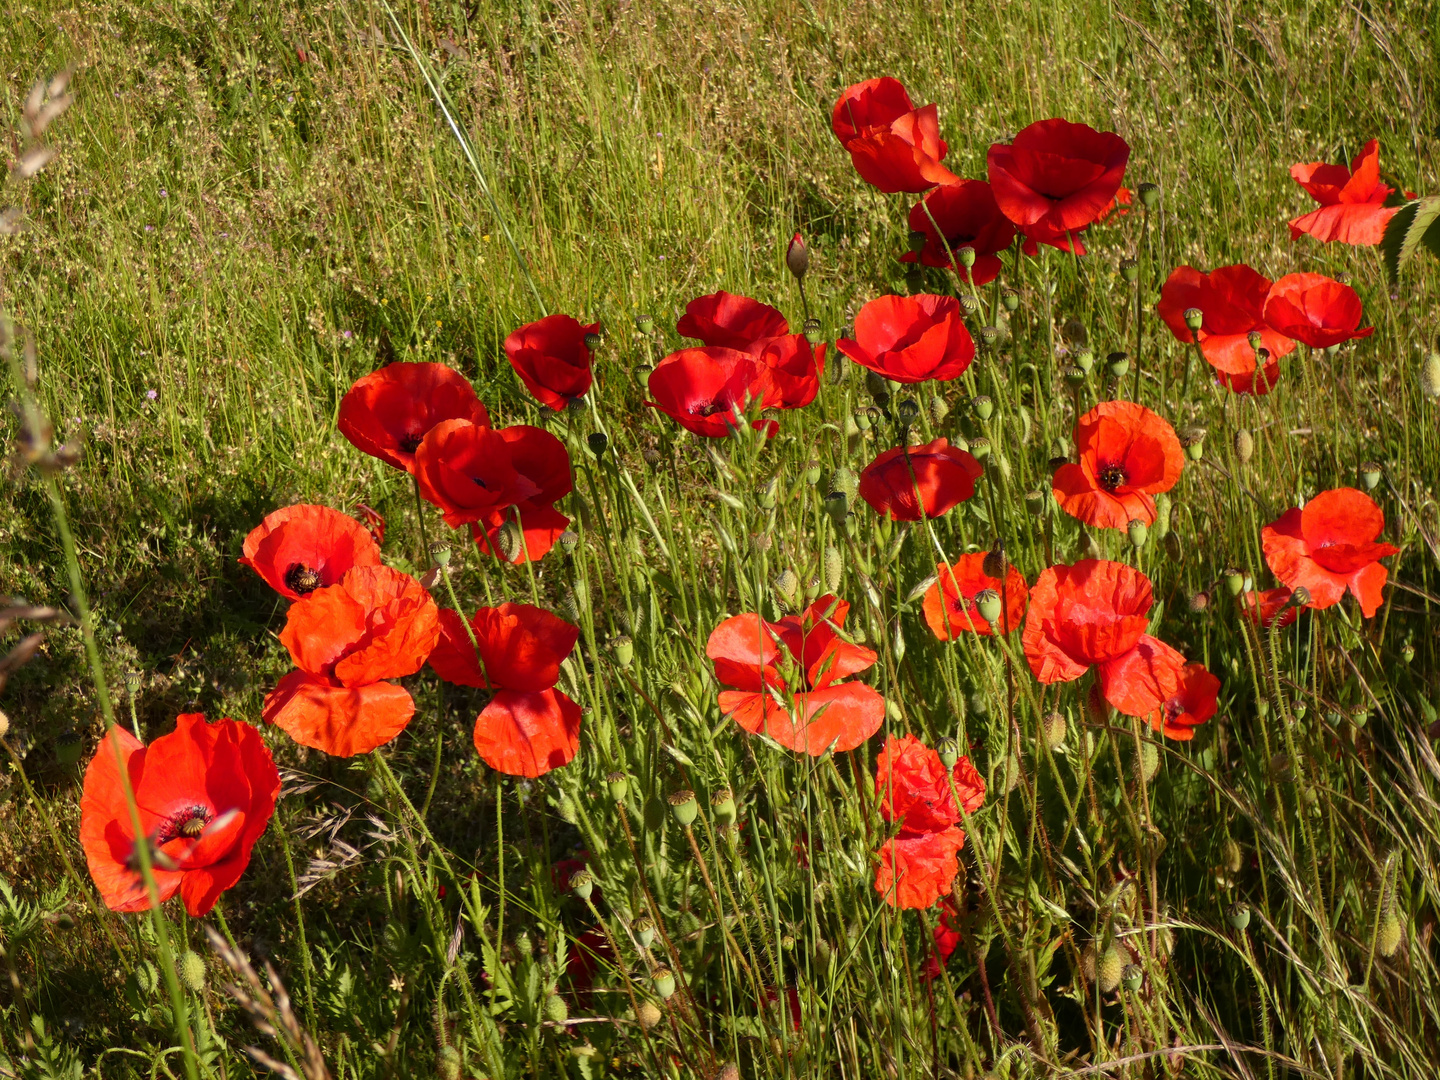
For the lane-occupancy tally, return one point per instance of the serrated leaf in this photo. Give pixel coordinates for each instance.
(1412, 223)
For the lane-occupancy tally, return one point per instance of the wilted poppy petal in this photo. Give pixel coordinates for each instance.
(528, 734)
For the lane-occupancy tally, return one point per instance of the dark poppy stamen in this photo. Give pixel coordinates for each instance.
(410, 443)
(1113, 477)
(709, 408)
(303, 579)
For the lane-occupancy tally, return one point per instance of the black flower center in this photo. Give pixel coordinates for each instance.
(1113, 477)
(303, 579)
(410, 443)
(1174, 709)
(709, 408)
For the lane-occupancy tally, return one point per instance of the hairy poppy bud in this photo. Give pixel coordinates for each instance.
(1138, 532)
(993, 565)
(1132, 977)
(1009, 299)
(987, 602)
(1085, 360)
(722, 806)
(915, 279)
(875, 384)
(949, 751)
(1193, 440)
(645, 324)
(797, 257)
(1199, 601)
(1238, 915)
(192, 971)
(1194, 318)
(969, 304)
(1035, 502)
(1147, 761)
(1053, 728)
(1244, 446)
(644, 930)
(1234, 581)
(649, 1014)
(1117, 364)
(1430, 376)
(978, 705)
(938, 409)
(593, 341)
(582, 884)
(845, 481)
(1109, 967)
(917, 241)
(664, 981)
(4, 724)
(556, 1011)
(1149, 195)
(623, 649)
(1233, 856)
(618, 785)
(786, 583)
(1129, 271)
(1075, 333)
(1389, 934)
(1162, 515)
(984, 407)
(511, 541)
(523, 945)
(814, 333)
(447, 1063)
(1370, 474)
(683, 806)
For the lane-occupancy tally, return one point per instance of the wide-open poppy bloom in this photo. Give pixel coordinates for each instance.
(529, 727)
(892, 144)
(950, 603)
(918, 866)
(911, 338)
(388, 412)
(788, 370)
(1128, 455)
(911, 482)
(552, 359)
(703, 389)
(1352, 201)
(1153, 681)
(1316, 310)
(1057, 177)
(205, 793)
(968, 217)
(786, 678)
(298, 549)
(1329, 547)
(1270, 607)
(1232, 301)
(347, 640)
(730, 321)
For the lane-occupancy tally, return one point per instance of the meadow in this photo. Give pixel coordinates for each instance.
(734, 786)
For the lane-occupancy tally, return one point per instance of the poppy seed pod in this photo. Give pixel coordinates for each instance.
(582, 884)
(192, 971)
(645, 324)
(1194, 318)
(440, 553)
(683, 806)
(907, 411)
(969, 304)
(1132, 977)
(1085, 360)
(623, 649)
(917, 241)
(664, 981)
(68, 745)
(618, 786)
(1238, 915)
(1138, 532)
(132, 683)
(915, 279)
(1035, 502)
(592, 341)
(651, 456)
(965, 256)
(722, 806)
(797, 257)
(644, 930)
(836, 505)
(1117, 363)
(987, 603)
(979, 447)
(989, 337)
(1129, 271)
(597, 441)
(984, 407)
(1300, 596)
(765, 496)
(1073, 375)
(1193, 440)
(568, 540)
(1149, 195)
(1010, 299)
(949, 752)
(1430, 376)
(1234, 581)
(1244, 446)
(993, 565)
(1370, 473)
(814, 333)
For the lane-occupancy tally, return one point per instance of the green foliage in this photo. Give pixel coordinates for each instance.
(1415, 223)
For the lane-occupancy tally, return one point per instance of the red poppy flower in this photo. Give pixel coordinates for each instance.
(893, 145)
(1090, 613)
(916, 869)
(543, 465)
(529, 727)
(1057, 175)
(942, 475)
(800, 657)
(947, 939)
(703, 389)
(388, 412)
(1316, 310)
(584, 960)
(374, 522)
(347, 640)
(728, 321)
(913, 789)
(1153, 681)
(1330, 547)
(1128, 455)
(205, 793)
(298, 549)
(1258, 382)
(788, 370)
(1352, 201)
(1266, 607)
(968, 216)
(1232, 300)
(950, 602)
(911, 338)
(552, 359)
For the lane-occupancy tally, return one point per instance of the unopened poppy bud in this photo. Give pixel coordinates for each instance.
(568, 540)
(1053, 728)
(993, 565)
(1138, 532)
(556, 1011)
(915, 279)
(1129, 271)
(618, 785)
(448, 1063)
(592, 341)
(1194, 318)
(1300, 597)
(597, 441)
(835, 506)
(1162, 515)
(623, 649)
(1389, 934)
(1238, 915)
(664, 981)
(1035, 502)
(524, 945)
(832, 567)
(844, 480)
(814, 332)
(1147, 761)
(1149, 195)
(582, 884)
(989, 337)
(1085, 360)
(1234, 581)
(648, 1015)
(1117, 363)
(645, 324)
(511, 541)
(1199, 601)
(683, 806)
(765, 497)
(1430, 376)
(644, 930)
(5, 723)
(984, 407)
(917, 241)
(987, 602)
(875, 384)
(978, 705)
(1075, 333)
(979, 447)
(761, 542)
(1244, 446)
(949, 751)
(192, 971)
(938, 409)
(797, 257)
(132, 683)
(786, 582)
(907, 411)
(722, 806)
(1193, 440)
(1109, 968)
(1009, 299)
(1370, 473)
(1132, 977)
(965, 256)
(969, 304)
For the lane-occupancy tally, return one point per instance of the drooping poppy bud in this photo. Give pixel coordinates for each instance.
(1244, 446)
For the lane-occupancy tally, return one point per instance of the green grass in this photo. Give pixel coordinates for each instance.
(245, 233)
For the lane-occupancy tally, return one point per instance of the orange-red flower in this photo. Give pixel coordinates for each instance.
(706, 390)
(1128, 455)
(552, 359)
(892, 144)
(205, 793)
(950, 603)
(298, 549)
(1232, 301)
(1316, 310)
(347, 640)
(529, 727)
(1352, 201)
(916, 869)
(911, 338)
(788, 371)
(1153, 681)
(786, 678)
(968, 217)
(730, 321)
(388, 412)
(1090, 613)
(1057, 176)
(1329, 547)
(1266, 607)
(911, 482)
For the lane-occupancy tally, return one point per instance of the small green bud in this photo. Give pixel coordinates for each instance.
(984, 407)
(556, 1011)
(1129, 271)
(1194, 319)
(622, 649)
(1232, 857)
(664, 981)
(1149, 195)
(787, 582)
(644, 930)
(1370, 473)
(1132, 977)
(511, 540)
(619, 786)
(1238, 915)
(645, 324)
(524, 945)
(192, 971)
(447, 1063)
(582, 884)
(1138, 532)
(1162, 515)
(949, 751)
(683, 806)
(1148, 760)
(978, 705)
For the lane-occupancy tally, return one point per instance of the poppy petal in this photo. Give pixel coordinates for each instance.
(528, 734)
(341, 720)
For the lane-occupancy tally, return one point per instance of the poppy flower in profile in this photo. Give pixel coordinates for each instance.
(968, 217)
(941, 475)
(1352, 201)
(1315, 310)
(729, 321)
(786, 679)
(298, 549)
(1153, 681)
(552, 359)
(1329, 548)
(1127, 456)
(205, 793)
(1088, 614)
(1270, 608)
(914, 791)
(348, 640)
(788, 370)
(893, 145)
(388, 412)
(1232, 301)
(947, 939)
(950, 603)
(1056, 176)
(703, 389)
(911, 338)
(529, 727)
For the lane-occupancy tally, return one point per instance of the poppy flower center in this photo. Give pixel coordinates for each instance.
(709, 408)
(303, 579)
(1174, 709)
(189, 823)
(1113, 477)
(410, 443)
